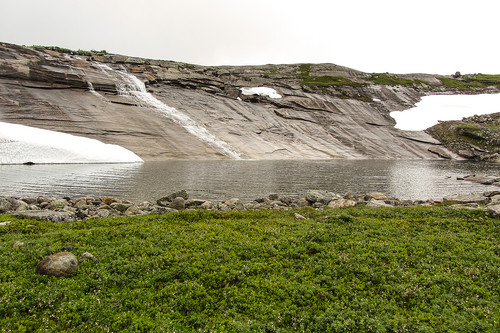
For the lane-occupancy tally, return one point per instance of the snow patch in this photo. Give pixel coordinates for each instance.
(22, 144)
(432, 109)
(261, 91)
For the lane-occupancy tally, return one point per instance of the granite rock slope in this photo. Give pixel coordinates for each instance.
(168, 110)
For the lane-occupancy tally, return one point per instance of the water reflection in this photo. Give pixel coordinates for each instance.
(247, 180)
(67, 179)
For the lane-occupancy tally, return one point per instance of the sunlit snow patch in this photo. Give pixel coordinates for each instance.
(261, 91)
(431, 109)
(23, 144)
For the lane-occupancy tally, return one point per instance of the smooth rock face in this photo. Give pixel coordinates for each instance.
(307, 122)
(59, 265)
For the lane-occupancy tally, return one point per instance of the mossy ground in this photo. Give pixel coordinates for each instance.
(471, 81)
(361, 270)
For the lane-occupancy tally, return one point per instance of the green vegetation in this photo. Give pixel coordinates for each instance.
(472, 81)
(323, 81)
(64, 50)
(417, 269)
(391, 80)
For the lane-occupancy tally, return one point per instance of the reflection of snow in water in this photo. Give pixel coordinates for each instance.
(261, 91)
(430, 109)
(21, 144)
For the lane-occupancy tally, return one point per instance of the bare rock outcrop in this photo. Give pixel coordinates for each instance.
(476, 137)
(326, 111)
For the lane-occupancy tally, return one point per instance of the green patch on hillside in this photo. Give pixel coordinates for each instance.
(393, 80)
(323, 81)
(349, 270)
(471, 81)
(68, 51)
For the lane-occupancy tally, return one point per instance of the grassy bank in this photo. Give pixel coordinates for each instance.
(371, 270)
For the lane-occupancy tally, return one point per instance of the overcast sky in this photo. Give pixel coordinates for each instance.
(424, 36)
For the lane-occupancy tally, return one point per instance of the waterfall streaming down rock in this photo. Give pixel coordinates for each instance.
(130, 86)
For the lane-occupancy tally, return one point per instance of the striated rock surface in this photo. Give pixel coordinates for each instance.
(168, 110)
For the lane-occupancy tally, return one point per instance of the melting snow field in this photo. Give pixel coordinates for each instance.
(22, 144)
(261, 91)
(433, 108)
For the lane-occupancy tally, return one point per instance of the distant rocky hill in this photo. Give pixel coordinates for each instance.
(476, 137)
(169, 110)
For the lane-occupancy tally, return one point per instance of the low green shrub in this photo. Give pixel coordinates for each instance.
(356, 269)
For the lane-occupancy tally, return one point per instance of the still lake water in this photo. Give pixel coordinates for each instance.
(246, 180)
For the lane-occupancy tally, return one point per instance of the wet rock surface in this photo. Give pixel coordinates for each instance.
(326, 111)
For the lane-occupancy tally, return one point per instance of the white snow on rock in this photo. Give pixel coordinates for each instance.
(261, 91)
(432, 109)
(22, 144)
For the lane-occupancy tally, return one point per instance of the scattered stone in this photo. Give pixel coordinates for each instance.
(466, 198)
(17, 244)
(88, 207)
(340, 203)
(300, 217)
(494, 210)
(495, 199)
(121, 207)
(85, 257)
(274, 197)
(194, 202)
(471, 205)
(5, 222)
(321, 196)
(373, 203)
(375, 196)
(48, 215)
(58, 265)
(165, 201)
(209, 205)
(178, 203)
(5, 205)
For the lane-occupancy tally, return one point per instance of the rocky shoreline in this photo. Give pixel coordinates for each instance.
(75, 209)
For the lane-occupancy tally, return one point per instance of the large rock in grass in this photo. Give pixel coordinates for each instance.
(61, 264)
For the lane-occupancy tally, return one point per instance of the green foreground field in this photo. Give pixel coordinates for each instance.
(359, 270)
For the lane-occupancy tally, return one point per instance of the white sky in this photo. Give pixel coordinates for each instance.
(430, 36)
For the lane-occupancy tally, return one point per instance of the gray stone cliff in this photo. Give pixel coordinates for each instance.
(326, 111)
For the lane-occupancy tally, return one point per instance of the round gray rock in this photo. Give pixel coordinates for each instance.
(61, 264)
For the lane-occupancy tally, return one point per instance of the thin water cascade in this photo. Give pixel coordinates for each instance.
(130, 86)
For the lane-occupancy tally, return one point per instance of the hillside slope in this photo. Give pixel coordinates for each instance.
(476, 137)
(168, 110)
